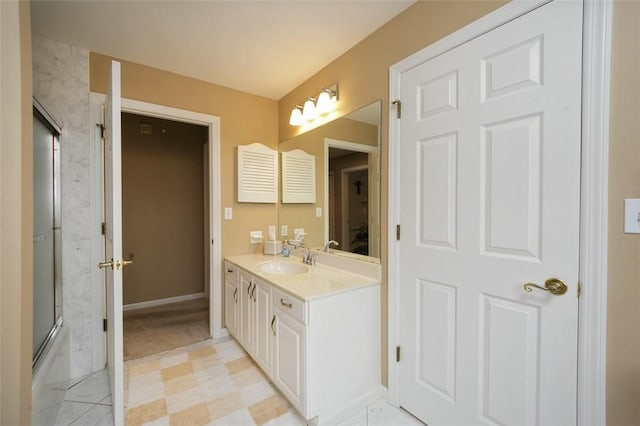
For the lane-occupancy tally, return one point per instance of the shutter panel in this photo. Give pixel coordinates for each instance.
(257, 174)
(298, 177)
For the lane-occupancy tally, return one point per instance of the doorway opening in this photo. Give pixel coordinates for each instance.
(350, 193)
(165, 232)
(350, 201)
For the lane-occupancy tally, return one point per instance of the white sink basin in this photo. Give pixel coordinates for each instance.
(283, 268)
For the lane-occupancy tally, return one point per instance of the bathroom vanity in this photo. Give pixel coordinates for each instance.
(314, 330)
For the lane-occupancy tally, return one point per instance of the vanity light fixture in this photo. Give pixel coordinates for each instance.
(314, 107)
(326, 100)
(296, 116)
(309, 110)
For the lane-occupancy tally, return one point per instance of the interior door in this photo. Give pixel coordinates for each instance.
(490, 192)
(113, 243)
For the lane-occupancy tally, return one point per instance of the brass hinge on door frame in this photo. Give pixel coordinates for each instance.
(104, 324)
(103, 228)
(397, 353)
(102, 129)
(398, 232)
(398, 104)
(579, 289)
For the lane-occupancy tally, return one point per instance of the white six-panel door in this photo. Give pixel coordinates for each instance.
(113, 243)
(490, 196)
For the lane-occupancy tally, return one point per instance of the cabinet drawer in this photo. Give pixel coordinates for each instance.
(289, 304)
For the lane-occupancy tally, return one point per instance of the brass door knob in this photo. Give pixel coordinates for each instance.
(108, 264)
(115, 264)
(552, 285)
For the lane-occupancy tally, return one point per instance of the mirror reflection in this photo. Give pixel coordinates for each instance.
(347, 208)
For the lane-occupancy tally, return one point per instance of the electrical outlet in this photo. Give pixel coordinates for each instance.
(318, 211)
(228, 213)
(284, 231)
(632, 216)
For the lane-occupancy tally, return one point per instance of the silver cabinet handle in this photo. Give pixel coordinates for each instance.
(253, 293)
(235, 295)
(229, 270)
(273, 321)
(286, 304)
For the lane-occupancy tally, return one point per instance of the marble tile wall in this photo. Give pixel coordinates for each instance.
(61, 84)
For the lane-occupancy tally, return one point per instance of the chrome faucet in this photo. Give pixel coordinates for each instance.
(328, 245)
(308, 258)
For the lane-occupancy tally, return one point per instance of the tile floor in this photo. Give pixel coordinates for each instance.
(205, 383)
(87, 402)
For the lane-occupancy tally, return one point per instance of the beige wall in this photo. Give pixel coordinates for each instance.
(623, 337)
(363, 77)
(16, 214)
(362, 73)
(163, 208)
(244, 118)
(312, 142)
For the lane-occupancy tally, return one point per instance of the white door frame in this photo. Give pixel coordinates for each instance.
(596, 61)
(215, 253)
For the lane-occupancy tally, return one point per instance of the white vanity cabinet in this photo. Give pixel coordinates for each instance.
(251, 301)
(231, 298)
(262, 324)
(246, 318)
(289, 348)
(323, 353)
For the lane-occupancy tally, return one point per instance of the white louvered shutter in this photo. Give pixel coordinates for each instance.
(257, 174)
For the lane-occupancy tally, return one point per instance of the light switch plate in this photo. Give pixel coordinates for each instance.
(284, 231)
(228, 213)
(632, 216)
(318, 211)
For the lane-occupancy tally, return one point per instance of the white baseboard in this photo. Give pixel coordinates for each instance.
(221, 333)
(354, 408)
(159, 302)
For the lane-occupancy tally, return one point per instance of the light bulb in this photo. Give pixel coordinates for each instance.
(324, 103)
(296, 117)
(309, 111)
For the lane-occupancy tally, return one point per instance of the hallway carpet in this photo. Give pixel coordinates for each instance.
(160, 328)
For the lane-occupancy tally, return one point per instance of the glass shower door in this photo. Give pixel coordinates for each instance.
(46, 232)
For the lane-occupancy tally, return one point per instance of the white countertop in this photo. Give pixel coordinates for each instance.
(320, 281)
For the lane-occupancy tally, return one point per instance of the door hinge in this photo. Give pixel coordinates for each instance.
(398, 232)
(102, 129)
(579, 289)
(104, 324)
(103, 228)
(397, 353)
(398, 104)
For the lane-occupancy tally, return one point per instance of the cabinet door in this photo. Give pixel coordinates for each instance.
(288, 358)
(246, 326)
(231, 300)
(263, 323)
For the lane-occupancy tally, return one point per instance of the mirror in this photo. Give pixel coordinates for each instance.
(347, 207)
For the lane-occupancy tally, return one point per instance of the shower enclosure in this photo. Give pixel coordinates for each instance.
(47, 280)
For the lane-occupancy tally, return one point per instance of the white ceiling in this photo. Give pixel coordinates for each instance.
(265, 47)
